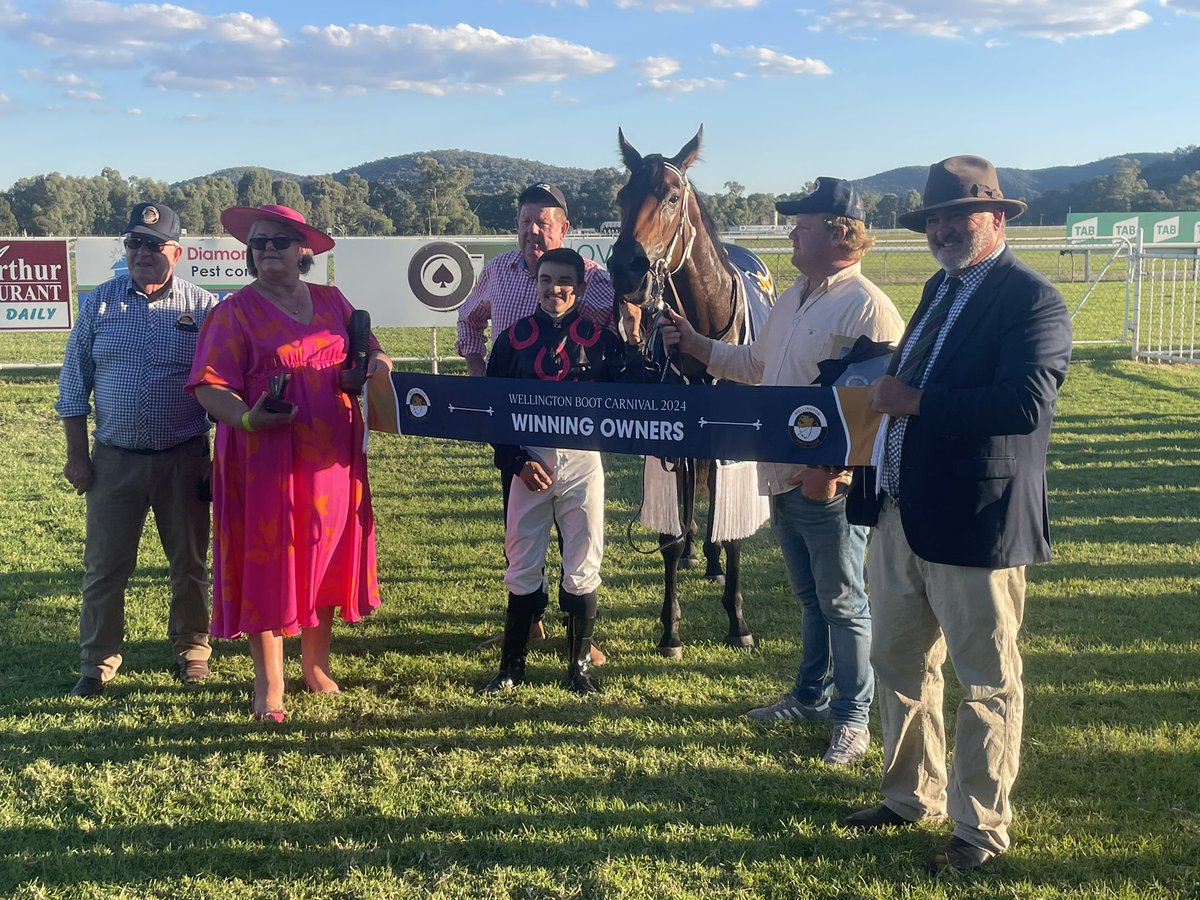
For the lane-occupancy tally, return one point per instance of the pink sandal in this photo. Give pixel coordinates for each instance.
(275, 716)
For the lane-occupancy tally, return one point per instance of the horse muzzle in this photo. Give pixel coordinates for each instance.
(629, 268)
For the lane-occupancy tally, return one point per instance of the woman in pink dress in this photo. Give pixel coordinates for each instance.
(294, 537)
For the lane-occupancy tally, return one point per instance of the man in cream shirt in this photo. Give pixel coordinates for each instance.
(830, 306)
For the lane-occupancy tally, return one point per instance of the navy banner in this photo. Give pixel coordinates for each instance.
(814, 425)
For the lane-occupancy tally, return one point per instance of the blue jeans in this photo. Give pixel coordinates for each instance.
(824, 556)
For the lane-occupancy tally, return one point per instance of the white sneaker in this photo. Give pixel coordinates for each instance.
(789, 709)
(848, 746)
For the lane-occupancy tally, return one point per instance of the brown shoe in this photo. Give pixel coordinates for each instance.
(598, 656)
(192, 671)
(880, 816)
(957, 854)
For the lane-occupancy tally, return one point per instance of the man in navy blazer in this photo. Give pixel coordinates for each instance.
(960, 510)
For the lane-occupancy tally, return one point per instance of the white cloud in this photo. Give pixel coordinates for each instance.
(770, 63)
(134, 111)
(1050, 19)
(657, 66)
(90, 96)
(68, 79)
(6, 104)
(181, 49)
(1187, 7)
(680, 85)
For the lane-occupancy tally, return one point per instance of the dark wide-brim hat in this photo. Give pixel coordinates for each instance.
(958, 181)
(239, 219)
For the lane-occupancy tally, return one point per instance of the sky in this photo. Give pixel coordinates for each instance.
(786, 90)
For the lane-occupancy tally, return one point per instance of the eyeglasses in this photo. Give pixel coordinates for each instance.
(279, 243)
(134, 244)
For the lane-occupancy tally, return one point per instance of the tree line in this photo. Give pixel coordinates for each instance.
(439, 199)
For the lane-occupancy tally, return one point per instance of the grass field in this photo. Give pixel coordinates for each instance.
(409, 785)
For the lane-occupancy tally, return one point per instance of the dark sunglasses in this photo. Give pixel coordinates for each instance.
(279, 243)
(134, 244)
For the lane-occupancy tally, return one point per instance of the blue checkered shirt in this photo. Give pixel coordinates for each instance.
(132, 357)
(889, 475)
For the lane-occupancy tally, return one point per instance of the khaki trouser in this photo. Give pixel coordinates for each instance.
(124, 486)
(921, 610)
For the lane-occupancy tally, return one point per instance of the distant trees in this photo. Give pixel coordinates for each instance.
(441, 196)
(8, 222)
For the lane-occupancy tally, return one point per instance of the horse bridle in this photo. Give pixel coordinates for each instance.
(661, 273)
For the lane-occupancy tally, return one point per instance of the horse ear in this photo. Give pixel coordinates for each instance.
(632, 158)
(686, 156)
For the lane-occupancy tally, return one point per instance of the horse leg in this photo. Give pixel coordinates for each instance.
(712, 563)
(712, 550)
(739, 637)
(687, 556)
(669, 645)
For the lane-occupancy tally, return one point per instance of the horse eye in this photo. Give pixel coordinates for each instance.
(674, 198)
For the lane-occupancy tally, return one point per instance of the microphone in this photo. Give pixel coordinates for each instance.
(354, 371)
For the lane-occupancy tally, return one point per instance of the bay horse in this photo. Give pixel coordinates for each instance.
(668, 254)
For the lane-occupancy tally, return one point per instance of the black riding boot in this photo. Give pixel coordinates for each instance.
(579, 649)
(521, 610)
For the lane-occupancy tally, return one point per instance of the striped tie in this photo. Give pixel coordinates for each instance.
(912, 371)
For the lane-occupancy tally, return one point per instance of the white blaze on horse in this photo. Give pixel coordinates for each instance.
(668, 255)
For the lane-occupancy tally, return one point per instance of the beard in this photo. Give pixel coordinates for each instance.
(958, 256)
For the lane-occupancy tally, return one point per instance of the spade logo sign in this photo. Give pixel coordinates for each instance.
(441, 275)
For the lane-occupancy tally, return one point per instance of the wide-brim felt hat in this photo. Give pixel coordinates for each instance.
(958, 181)
(239, 219)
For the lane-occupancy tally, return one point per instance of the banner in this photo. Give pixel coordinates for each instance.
(217, 264)
(407, 282)
(812, 425)
(35, 285)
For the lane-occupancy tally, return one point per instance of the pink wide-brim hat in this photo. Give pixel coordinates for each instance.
(239, 219)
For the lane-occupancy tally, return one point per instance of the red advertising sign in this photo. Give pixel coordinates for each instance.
(35, 286)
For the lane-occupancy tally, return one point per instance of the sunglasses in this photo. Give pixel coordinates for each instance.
(279, 243)
(134, 244)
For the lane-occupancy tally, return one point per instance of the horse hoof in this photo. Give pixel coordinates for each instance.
(740, 642)
(675, 653)
(689, 562)
(717, 579)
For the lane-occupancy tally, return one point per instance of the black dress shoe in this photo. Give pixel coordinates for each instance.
(192, 671)
(87, 687)
(880, 816)
(957, 854)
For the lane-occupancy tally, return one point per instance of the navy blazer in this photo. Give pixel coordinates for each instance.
(973, 464)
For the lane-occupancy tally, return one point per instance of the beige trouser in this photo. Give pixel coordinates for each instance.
(921, 610)
(125, 486)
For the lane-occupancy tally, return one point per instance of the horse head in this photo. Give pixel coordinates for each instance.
(659, 221)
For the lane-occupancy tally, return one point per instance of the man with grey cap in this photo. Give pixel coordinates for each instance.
(819, 317)
(506, 293)
(960, 510)
(129, 355)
